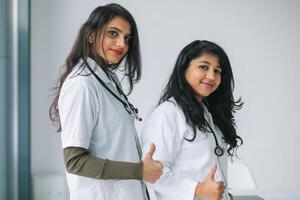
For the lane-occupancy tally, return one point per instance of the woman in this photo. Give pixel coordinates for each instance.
(193, 125)
(101, 149)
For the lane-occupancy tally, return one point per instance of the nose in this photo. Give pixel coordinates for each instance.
(210, 75)
(121, 42)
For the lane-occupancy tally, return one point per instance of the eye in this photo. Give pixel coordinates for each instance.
(127, 39)
(113, 33)
(218, 71)
(204, 67)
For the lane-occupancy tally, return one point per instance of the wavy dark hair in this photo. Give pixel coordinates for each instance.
(82, 49)
(220, 103)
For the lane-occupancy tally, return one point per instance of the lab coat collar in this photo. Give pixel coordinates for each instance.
(98, 70)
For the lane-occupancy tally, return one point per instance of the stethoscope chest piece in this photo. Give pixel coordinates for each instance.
(219, 151)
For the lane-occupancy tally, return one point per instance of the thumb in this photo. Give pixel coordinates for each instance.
(212, 172)
(151, 151)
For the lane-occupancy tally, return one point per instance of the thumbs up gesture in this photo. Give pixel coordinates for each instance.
(152, 169)
(209, 188)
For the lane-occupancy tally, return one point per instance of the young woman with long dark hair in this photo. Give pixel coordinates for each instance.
(193, 126)
(101, 150)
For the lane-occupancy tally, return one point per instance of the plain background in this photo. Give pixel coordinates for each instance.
(261, 39)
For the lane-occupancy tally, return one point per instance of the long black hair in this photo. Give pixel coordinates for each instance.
(81, 50)
(220, 103)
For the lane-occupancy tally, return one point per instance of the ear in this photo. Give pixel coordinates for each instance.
(91, 37)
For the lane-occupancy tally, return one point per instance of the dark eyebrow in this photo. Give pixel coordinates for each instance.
(203, 61)
(118, 30)
(208, 63)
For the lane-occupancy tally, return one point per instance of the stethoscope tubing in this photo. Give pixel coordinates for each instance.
(126, 103)
(219, 151)
(219, 154)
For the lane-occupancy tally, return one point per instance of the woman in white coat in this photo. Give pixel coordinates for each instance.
(101, 150)
(193, 126)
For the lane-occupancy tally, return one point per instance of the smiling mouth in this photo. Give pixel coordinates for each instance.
(207, 84)
(117, 52)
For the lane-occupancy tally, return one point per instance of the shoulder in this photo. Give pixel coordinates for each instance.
(78, 82)
(168, 107)
(168, 111)
(166, 128)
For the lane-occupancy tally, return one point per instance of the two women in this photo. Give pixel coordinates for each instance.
(193, 126)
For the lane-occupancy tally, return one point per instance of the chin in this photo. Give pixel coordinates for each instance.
(113, 61)
(205, 95)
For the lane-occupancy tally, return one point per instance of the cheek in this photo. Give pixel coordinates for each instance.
(188, 78)
(191, 74)
(126, 49)
(100, 47)
(218, 82)
(104, 43)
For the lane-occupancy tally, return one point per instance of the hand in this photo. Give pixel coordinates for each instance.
(230, 196)
(152, 169)
(209, 188)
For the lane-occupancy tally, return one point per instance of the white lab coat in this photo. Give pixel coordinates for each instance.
(93, 119)
(185, 163)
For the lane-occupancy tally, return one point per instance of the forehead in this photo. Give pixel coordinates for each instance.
(121, 24)
(208, 58)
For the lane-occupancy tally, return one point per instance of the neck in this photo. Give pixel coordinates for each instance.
(102, 63)
(199, 98)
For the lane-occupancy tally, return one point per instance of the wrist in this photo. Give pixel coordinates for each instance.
(199, 191)
(141, 170)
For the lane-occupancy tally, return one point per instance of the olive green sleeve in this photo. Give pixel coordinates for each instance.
(78, 161)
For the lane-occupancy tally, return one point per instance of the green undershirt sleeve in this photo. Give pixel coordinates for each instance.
(79, 161)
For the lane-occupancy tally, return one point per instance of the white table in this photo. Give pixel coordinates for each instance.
(280, 196)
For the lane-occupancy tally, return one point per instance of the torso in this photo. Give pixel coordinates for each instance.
(192, 160)
(107, 133)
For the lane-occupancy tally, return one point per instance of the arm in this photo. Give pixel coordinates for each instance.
(161, 129)
(79, 111)
(209, 188)
(175, 185)
(78, 161)
(167, 130)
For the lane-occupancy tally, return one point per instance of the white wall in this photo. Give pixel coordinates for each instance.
(263, 44)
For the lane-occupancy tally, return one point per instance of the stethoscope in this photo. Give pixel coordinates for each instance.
(219, 151)
(127, 105)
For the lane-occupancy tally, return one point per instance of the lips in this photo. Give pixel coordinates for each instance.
(116, 51)
(207, 84)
